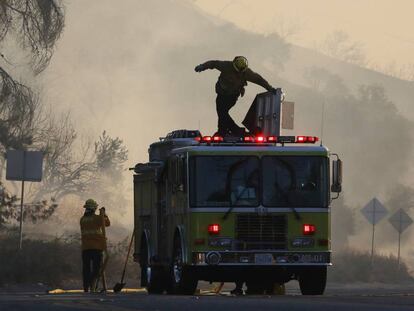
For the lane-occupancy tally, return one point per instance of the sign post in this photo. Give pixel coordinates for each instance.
(374, 212)
(23, 166)
(400, 221)
(21, 204)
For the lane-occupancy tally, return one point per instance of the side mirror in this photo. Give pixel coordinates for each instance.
(336, 176)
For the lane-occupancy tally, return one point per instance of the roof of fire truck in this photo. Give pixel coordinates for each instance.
(192, 141)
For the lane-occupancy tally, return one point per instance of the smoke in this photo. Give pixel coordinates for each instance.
(128, 68)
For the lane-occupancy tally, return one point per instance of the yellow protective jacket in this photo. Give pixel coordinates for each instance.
(91, 231)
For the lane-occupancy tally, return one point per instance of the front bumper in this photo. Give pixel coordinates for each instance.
(261, 258)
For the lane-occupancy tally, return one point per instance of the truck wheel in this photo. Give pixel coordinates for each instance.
(182, 282)
(313, 281)
(151, 277)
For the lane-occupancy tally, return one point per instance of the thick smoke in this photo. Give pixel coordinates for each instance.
(128, 68)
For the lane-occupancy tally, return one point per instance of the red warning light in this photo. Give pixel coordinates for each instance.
(214, 229)
(308, 229)
(206, 139)
(312, 139)
(217, 138)
(307, 139)
(301, 139)
(272, 139)
(248, 139)
(260, 139)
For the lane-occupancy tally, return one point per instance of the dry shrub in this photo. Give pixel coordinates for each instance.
(57, 262)
(351, 266)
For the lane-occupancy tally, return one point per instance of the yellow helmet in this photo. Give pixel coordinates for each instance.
(90, 204)
(240, 63)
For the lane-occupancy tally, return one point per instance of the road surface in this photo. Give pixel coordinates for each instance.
(337, 298)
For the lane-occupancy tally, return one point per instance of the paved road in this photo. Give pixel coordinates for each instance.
(337, 298)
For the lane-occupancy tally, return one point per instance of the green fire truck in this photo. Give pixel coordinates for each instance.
(252, 209)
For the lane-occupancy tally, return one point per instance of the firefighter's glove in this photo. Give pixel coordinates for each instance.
(199, 68)
(273, 91)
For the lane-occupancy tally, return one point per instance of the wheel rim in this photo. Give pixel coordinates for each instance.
(177, 268)
(148, 271)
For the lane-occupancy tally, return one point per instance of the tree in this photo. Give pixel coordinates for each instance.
(35, 24)
(339, 46)
(18, 106)
(96, 172)
(7, 202)
(111, 154)
(64, 171)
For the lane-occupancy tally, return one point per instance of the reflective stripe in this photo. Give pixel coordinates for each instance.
(92, 231)
(87, 219)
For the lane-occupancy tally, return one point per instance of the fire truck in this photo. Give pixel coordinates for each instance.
(253, 209)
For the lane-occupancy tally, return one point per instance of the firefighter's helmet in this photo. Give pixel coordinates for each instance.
(90, 204)
(240, 63)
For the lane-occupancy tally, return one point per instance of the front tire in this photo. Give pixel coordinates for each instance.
(182, 282)
(313, 281)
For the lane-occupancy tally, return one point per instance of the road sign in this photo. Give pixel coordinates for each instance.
(400, 220)
(374, 211)
(24, 165)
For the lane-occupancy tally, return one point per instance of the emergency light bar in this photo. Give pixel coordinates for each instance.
(259, 139)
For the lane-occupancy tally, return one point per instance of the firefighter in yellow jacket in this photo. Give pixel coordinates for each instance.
(93, 243)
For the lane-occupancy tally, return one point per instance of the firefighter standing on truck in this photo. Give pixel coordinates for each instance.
(230, 85)
(93, 243)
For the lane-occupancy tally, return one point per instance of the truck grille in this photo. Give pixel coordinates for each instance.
(255, 232)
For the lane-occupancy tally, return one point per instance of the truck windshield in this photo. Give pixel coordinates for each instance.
(295, 181)
(224, 181)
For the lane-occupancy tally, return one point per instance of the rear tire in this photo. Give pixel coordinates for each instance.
(313, 281)
(182, 282)
(151, 277)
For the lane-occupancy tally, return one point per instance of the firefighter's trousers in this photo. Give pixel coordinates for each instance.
(91, 265)
(226, 125)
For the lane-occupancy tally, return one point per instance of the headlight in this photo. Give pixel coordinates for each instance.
(213, 258)
(303, 242)
(199, 258)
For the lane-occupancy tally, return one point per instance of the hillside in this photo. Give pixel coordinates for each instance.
(301, 59)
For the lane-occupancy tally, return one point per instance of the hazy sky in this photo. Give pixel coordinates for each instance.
(384, 27)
